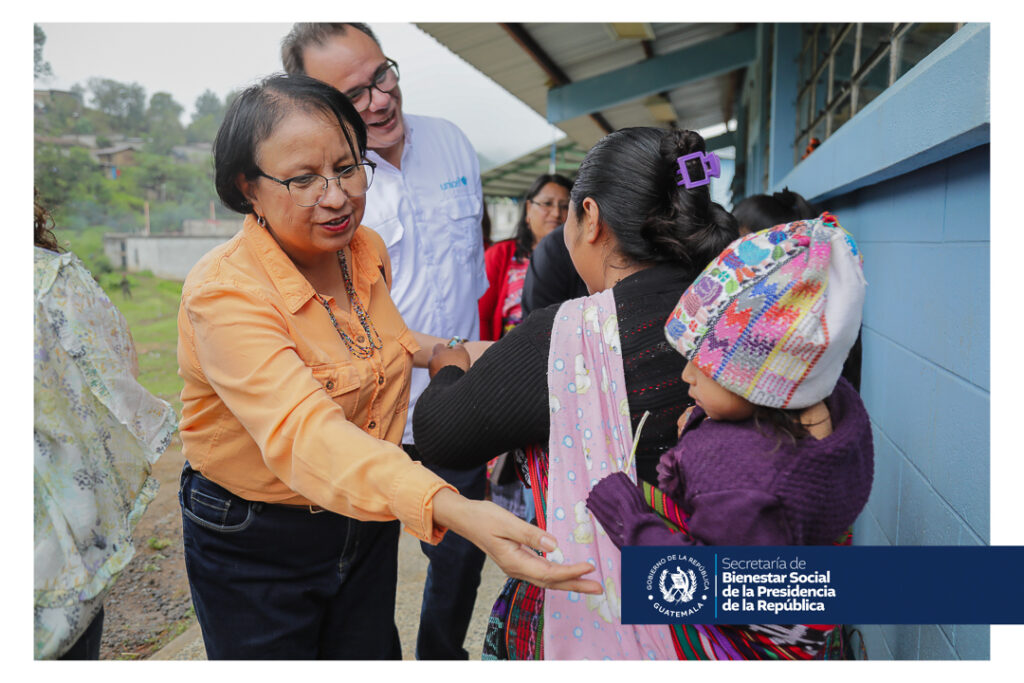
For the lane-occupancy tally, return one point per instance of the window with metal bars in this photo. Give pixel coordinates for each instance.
(845, 66)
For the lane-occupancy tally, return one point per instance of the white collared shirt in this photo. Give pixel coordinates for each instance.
(428, 213)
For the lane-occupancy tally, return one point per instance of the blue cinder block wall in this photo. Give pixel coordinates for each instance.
(908, 177)
(925, 374)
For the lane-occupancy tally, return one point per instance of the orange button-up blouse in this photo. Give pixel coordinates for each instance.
(276, 409)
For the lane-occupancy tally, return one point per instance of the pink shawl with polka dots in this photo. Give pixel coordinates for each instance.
(590, 438)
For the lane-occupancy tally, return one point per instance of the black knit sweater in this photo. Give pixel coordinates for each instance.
(465, 419)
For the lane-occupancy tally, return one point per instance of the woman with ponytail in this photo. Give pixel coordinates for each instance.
(574, 383)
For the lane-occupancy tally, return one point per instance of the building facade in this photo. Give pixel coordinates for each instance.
(908, 176)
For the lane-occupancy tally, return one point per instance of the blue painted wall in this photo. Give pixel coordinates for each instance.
(925, 375)
(908, 176)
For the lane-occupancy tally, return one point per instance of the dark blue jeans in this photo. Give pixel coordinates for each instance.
(279, 582)
(453, 576)
(88, 644)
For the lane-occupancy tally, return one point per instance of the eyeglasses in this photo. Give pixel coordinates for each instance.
(562, 207)
(385, 80)
(309, 189)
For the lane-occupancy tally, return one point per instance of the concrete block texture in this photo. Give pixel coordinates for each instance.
(934, 644)
(971, 641)
(925, 374)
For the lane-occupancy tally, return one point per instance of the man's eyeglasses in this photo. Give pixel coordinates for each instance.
(562, 207)
(309, 189)
(385, 80)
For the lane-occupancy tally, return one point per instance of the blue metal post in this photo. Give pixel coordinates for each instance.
(785, 79)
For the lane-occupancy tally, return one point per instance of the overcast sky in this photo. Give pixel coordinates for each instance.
(186, 59)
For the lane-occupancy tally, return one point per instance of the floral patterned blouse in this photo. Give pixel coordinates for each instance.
(97, 432)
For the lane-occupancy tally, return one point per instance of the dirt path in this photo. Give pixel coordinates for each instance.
(150, 604)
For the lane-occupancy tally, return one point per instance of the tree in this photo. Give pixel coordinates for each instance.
(153, 172)
(82, 126)
(63, 175)
(203, 129)
(176, 191)
(61, 114)
(206, 118)
(163, 106)
(42, 69)
(163, 123)
(208, 104)
(124, 103)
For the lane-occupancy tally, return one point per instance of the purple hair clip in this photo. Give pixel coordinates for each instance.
(709, 164)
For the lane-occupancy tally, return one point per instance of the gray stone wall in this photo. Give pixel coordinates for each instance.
(205, 227)
(167, 256)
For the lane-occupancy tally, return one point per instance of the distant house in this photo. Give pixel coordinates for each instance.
(116, 156)
(43, 98)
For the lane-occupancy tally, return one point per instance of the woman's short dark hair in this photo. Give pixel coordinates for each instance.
(254, 115)
(632, 175)
(760, 211)
(525, 241)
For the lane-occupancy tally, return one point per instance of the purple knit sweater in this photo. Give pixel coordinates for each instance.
(743, 487)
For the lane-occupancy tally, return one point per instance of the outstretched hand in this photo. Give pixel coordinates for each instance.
(509, 541)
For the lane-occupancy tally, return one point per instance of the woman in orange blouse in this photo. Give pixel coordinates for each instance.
(296, 370)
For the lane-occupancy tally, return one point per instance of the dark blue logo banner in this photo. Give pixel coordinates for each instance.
(823, 585)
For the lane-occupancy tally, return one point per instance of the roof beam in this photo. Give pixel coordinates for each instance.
(727, 139)
(694, 63)
(530, 46)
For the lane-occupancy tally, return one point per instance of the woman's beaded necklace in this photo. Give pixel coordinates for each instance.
(357, 350)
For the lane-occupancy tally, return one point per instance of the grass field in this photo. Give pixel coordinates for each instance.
(151, 312)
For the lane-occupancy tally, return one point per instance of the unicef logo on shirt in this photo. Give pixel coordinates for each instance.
(452, 184)
(677, 585)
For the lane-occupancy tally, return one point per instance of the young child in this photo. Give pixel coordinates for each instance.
(777, 450)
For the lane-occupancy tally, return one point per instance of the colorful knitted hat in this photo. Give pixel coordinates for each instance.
(773, 318)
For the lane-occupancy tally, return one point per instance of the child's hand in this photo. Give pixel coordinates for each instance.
(443, 355)
(682, 421)
(614, 501)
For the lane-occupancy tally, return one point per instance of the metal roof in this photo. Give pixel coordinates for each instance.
(512, 179)
(531, 59)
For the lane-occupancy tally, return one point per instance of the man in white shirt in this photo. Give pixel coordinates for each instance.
(426, 203)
